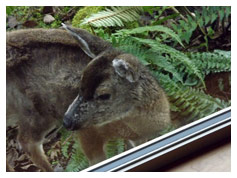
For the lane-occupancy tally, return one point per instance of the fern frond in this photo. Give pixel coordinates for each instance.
(64, 149)
(78, 160)
(189, 102)
(65, 142)
(157, 28)
(219, 61)
(114, 147)
(148, 57)
(128, 45)
(114, 17)
(173, 54)
(83, 13)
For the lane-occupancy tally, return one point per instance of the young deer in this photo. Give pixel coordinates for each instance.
(118, 98)
(114, 95)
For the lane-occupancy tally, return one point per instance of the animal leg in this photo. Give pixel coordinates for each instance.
(31, 140)
(36, 153)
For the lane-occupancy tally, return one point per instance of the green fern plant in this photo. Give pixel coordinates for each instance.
(114, 147)
(176, 57)
(65, 142)
(218, 61)
(202, 20)
(146, 29)
(83, 13)
(78, 160)
(187, 101)
(166, 57)
(71, 151)
(189, 69)
(116, 16)
(148, 57)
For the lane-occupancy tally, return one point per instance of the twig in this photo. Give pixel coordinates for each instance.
(68, 138)
(176, 11)
(92, 29)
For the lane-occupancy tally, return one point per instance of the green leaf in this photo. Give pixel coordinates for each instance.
(157, 28)
(167, 66)
(114, 16)
(219, 61)
(9, 9)
(176, 55)
(161, 21)
(114, 147)
(192, 103)
(78, 160)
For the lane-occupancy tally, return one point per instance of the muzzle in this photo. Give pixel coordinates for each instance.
(71, 116)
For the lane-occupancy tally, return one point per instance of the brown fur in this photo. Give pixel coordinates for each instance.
(45, 71)
(137, 109)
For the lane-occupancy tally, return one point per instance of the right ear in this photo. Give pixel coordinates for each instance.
(124, 70)
(82, 43)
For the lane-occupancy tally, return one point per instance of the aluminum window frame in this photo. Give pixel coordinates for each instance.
(161, 151)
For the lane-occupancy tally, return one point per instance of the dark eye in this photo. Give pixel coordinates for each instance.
(104, 97)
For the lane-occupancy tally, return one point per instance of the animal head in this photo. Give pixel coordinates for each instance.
(113, 86)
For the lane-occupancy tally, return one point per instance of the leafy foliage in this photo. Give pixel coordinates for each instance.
(180, 74)
(206, 19)
(161, 56)
(185, 29)
(114, 17)
(65, 136)
(189, 102)
(218, 61)
(170, 42)
(177, 73)
(9, 9)
(114, 147)
(78, 160)
(145, 29)
(83, 13)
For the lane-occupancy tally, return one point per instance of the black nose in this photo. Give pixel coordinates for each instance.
(67, 122)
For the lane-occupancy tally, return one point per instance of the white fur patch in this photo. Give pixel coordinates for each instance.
(119, 62)
(69, 108)
(122, 69)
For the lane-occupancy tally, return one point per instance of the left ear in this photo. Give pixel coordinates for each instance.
(125, 70)
(81, 42)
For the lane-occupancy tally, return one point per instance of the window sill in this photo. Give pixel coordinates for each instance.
(162, 151)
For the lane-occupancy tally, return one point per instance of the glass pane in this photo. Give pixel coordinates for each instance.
(88, 83)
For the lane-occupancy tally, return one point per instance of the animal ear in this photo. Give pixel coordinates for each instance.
(125, 70)
(82, 43)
